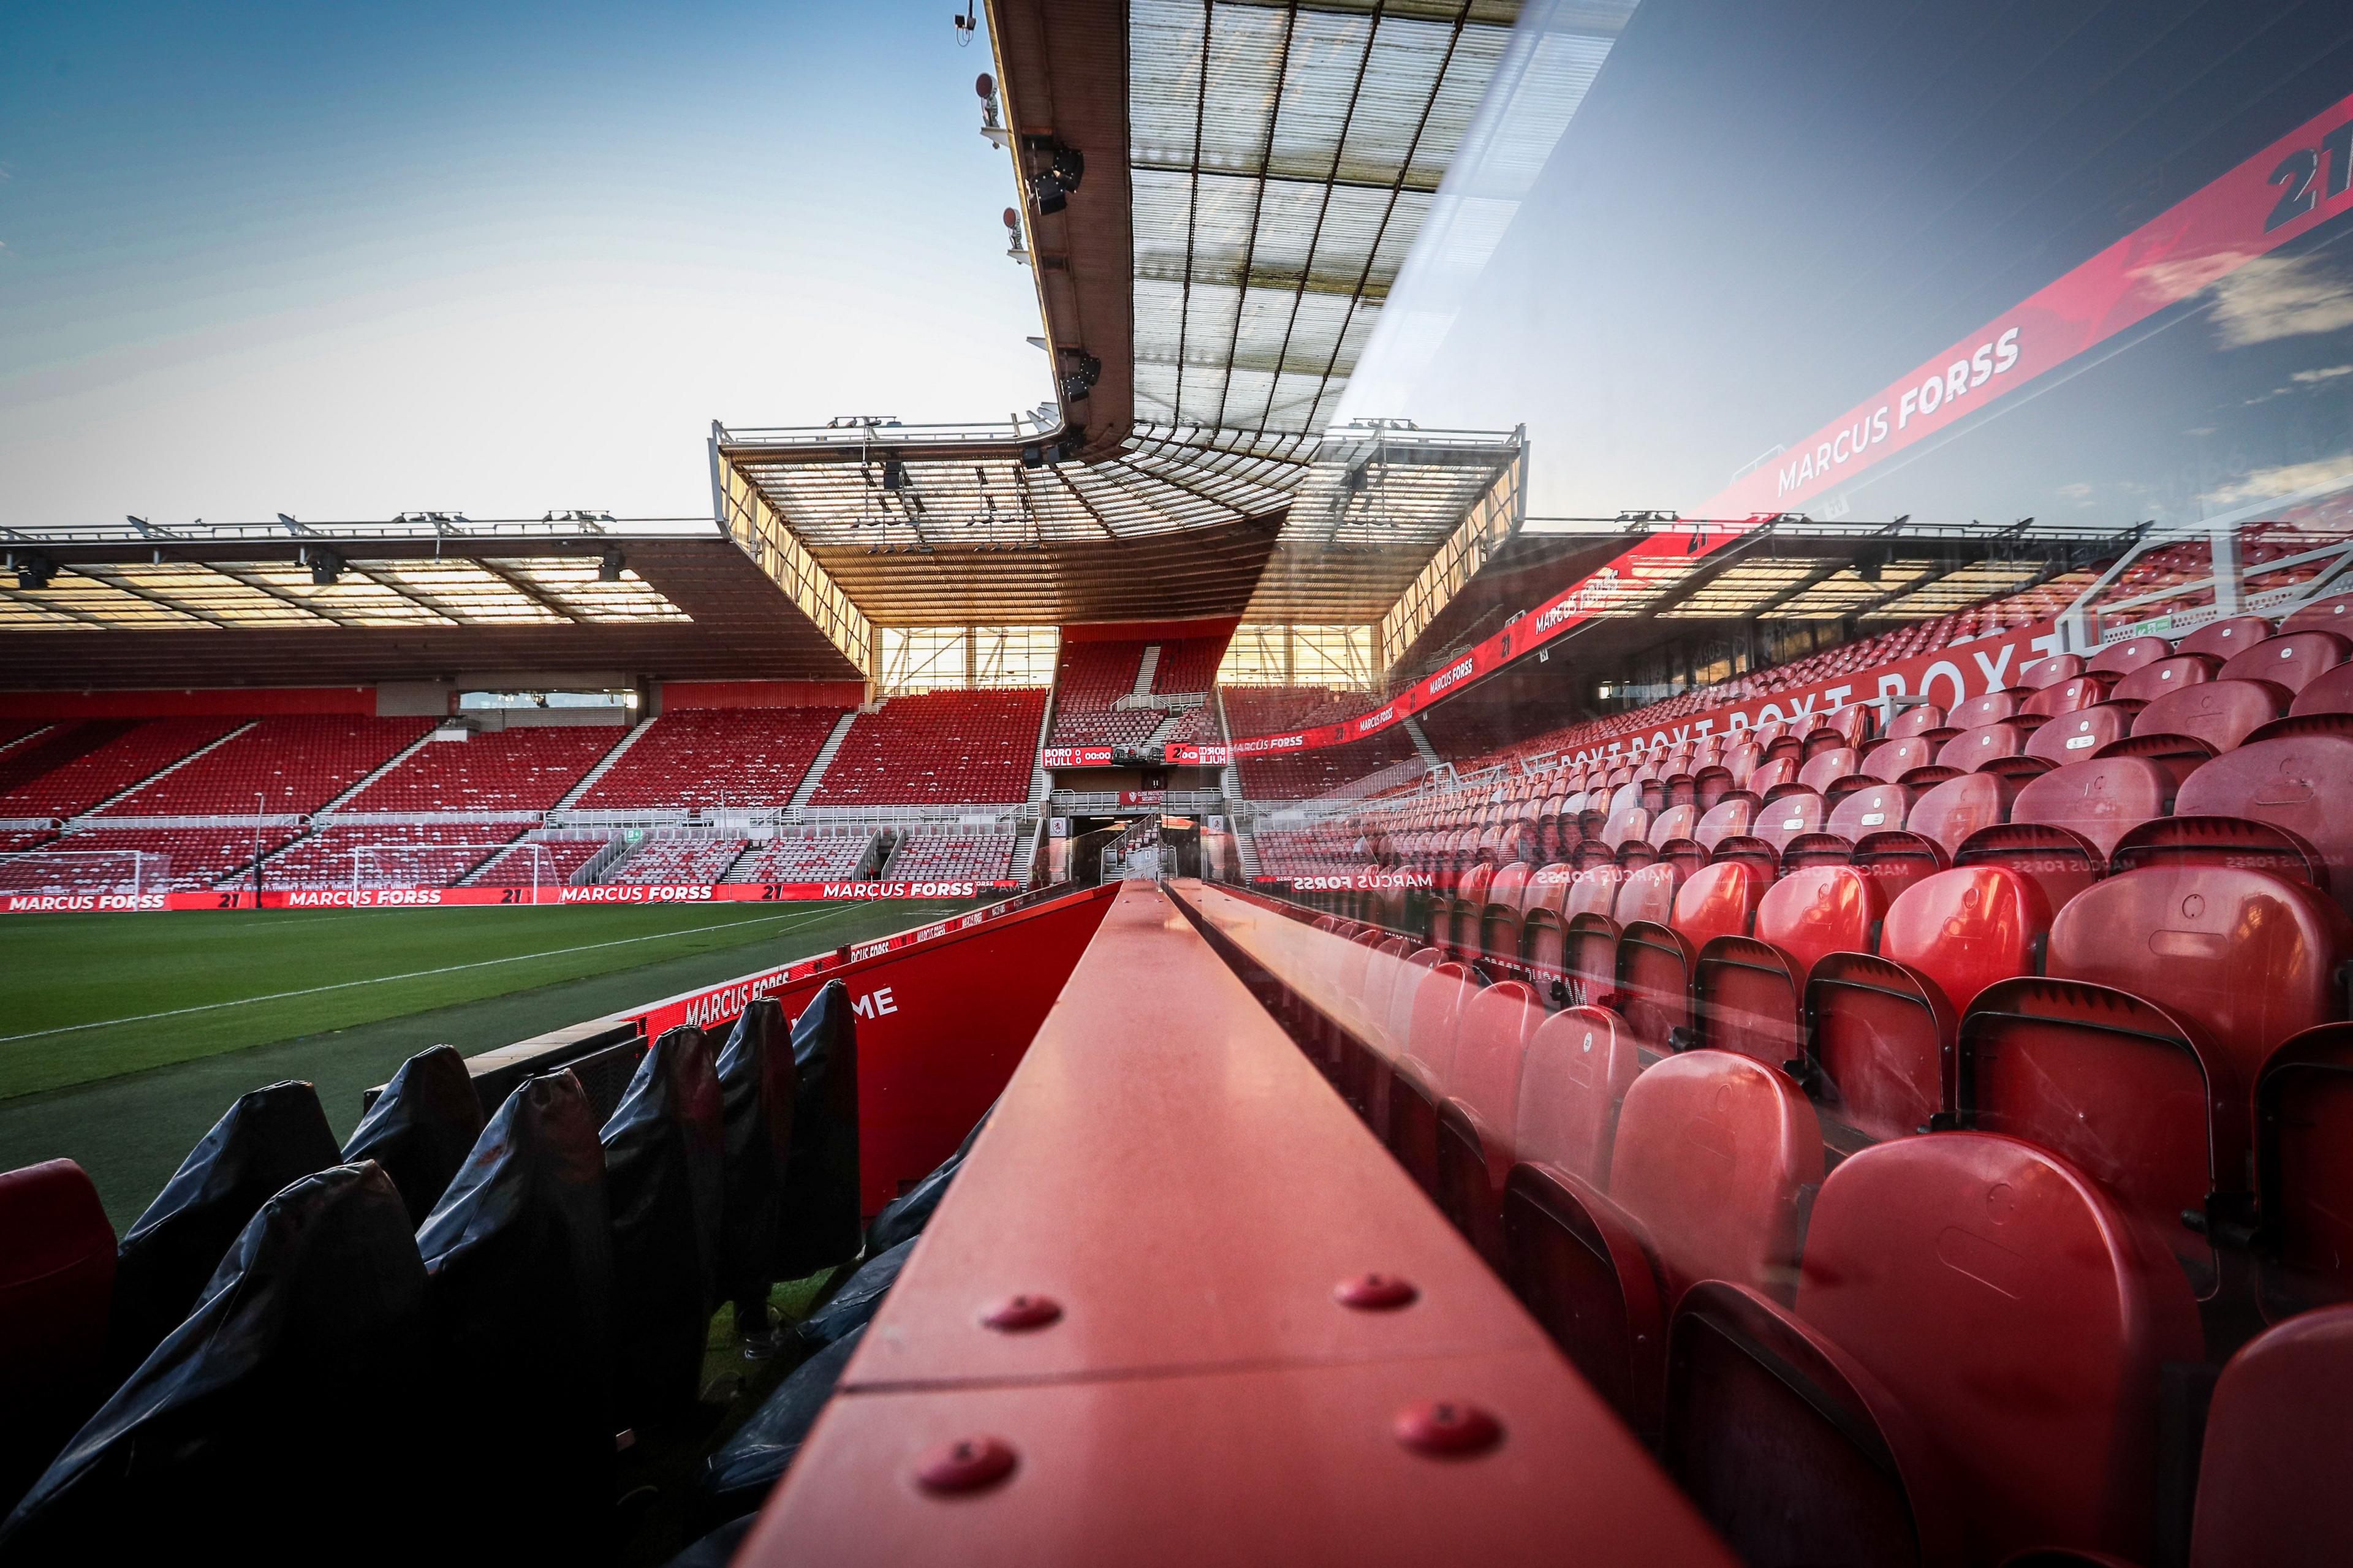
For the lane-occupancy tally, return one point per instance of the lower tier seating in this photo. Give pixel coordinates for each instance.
(951, 858)
(434, 854)
(539, 862)
(676, 861)
(144, 861)
(827, 858)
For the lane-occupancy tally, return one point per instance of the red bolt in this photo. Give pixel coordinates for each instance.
(1375, 1292)
(967, 1465)
(1447, 1428)
(1017, 1314)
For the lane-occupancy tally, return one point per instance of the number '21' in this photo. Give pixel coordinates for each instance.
(2296, 171)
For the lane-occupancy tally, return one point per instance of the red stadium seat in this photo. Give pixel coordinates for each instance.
(2234, 841)
(1420, 1072)
(1480, 1113)
(1777, 773)
(2222, 639)
(1973, 749)
(1655, 959)
(2102, 799)
(2059, 860)
(2302, 783)
(2062, 696)
(1782, 819)
(2220, 713)
(2304, 1172)
(1709, 1171)
(1990, 709)
(1589, 960)
(1882, 808)
(2078, 735)
(1880, 1029)
(1899, 754)
(2293, 659)
(2330, 691)
(2153, 680)
(1917, 720)
(1748, 991)
(2021, 1316)
(57, 1279)
(1948, 813)
(1826, 768)
(1578, 1065)
(2270, 1482)
(2334, 614)
(2132, 654)
(2045, 673)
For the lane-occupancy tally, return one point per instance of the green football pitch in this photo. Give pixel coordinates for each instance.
(123, 1037)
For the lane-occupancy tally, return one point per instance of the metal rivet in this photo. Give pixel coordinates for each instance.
(1375, 1292)
(1448, 1428)
(967, 1465)
(1015, 1314)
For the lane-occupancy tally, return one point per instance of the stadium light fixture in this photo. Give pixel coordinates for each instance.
(894, 474)
(609, 569)
(325, 564)
(1059, 169)
(33, 569)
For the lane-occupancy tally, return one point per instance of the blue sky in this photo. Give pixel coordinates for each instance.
(347, 261)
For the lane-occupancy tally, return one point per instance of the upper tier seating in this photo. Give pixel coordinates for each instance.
(1088, 678)
(435, 855)
(543, 862)
(516, 769)
(125, 759)
(948, 747)
(829, 858)
(98, 860)
(1187, 665)
(752, 757)
(294, 764)
(1304, 775)
(951, 858)
(681, 861)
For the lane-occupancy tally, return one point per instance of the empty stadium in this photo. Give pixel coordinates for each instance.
(1619, 829)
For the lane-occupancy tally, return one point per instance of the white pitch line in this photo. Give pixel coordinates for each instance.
(386, 979)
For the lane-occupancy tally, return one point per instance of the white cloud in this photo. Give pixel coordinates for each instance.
(2330, 374)
(2287, 480)
(2275, 297)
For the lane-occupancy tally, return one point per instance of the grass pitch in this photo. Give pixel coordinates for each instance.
(124, 1036)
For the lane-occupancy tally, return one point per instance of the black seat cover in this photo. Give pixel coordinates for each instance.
(421, 1128)
(758, 1084)
(289, 1418)
(737, 1478)
(820, 1223)
(269, 1138)
(853, 1306)
(520, 1252)
(904, 1217)
(665, 1150)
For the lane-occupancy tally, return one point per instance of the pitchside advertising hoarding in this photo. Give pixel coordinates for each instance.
(2290, 188)
(462, 898)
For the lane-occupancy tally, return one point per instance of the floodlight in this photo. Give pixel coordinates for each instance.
(609, 569)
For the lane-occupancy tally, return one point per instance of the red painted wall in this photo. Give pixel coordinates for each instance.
(241, 701)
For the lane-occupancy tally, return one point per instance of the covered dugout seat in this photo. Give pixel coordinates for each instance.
(665, 1158)
(421, 1128)
(296, 1416)
(270, 1137)
(1713, 1161)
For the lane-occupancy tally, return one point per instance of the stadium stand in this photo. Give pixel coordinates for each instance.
(386, 855)
(295, 764)
(1088, 678)
(714, 757)
(540, 862)
(1187, 665)
(827, 857)
(938, 748)
(1304, 775)
(680, 861)
(515, 769)
(951, 858)
(116, 763)
(101, 860)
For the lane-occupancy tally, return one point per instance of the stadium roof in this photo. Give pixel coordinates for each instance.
(422, 597)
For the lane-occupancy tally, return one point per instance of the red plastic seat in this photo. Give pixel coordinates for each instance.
(2021, 1316)
(2076, 736)
(2125, 1091)
(2304, 1172)
(2293, 659)
(1880, 1029)
(1500, 920)
(1725, 819)
(1748, 991)
(2222, 639)
(1714, 1157)
(2334, 614)
(1655, 959)
(1480, 1110)
(1421, 1073)
(1973, 749)
(1774, 774)
(2133, 653)
(1991, 709)
(2271, 1484)
(2302, 783)
(2221, 713)
(2101, 799)
(1826, 768)
(2330, 691)
(2045, 673)
(1948, 813)
(1464, 912)
(1899, 754)
(2232, 841)
(2057, 697)
(1917, 719)
(1578, 1065)
(57, 1279)
(1782, 819)
(1588, 958)
(1882, 808)
(2152, 681)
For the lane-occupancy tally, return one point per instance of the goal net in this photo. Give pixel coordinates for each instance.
(102, 871)
(446, 864)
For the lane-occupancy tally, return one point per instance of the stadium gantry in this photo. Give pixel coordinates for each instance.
(1766, 1029)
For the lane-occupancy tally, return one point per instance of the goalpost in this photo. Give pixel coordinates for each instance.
(109, 872)
(444, 865)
